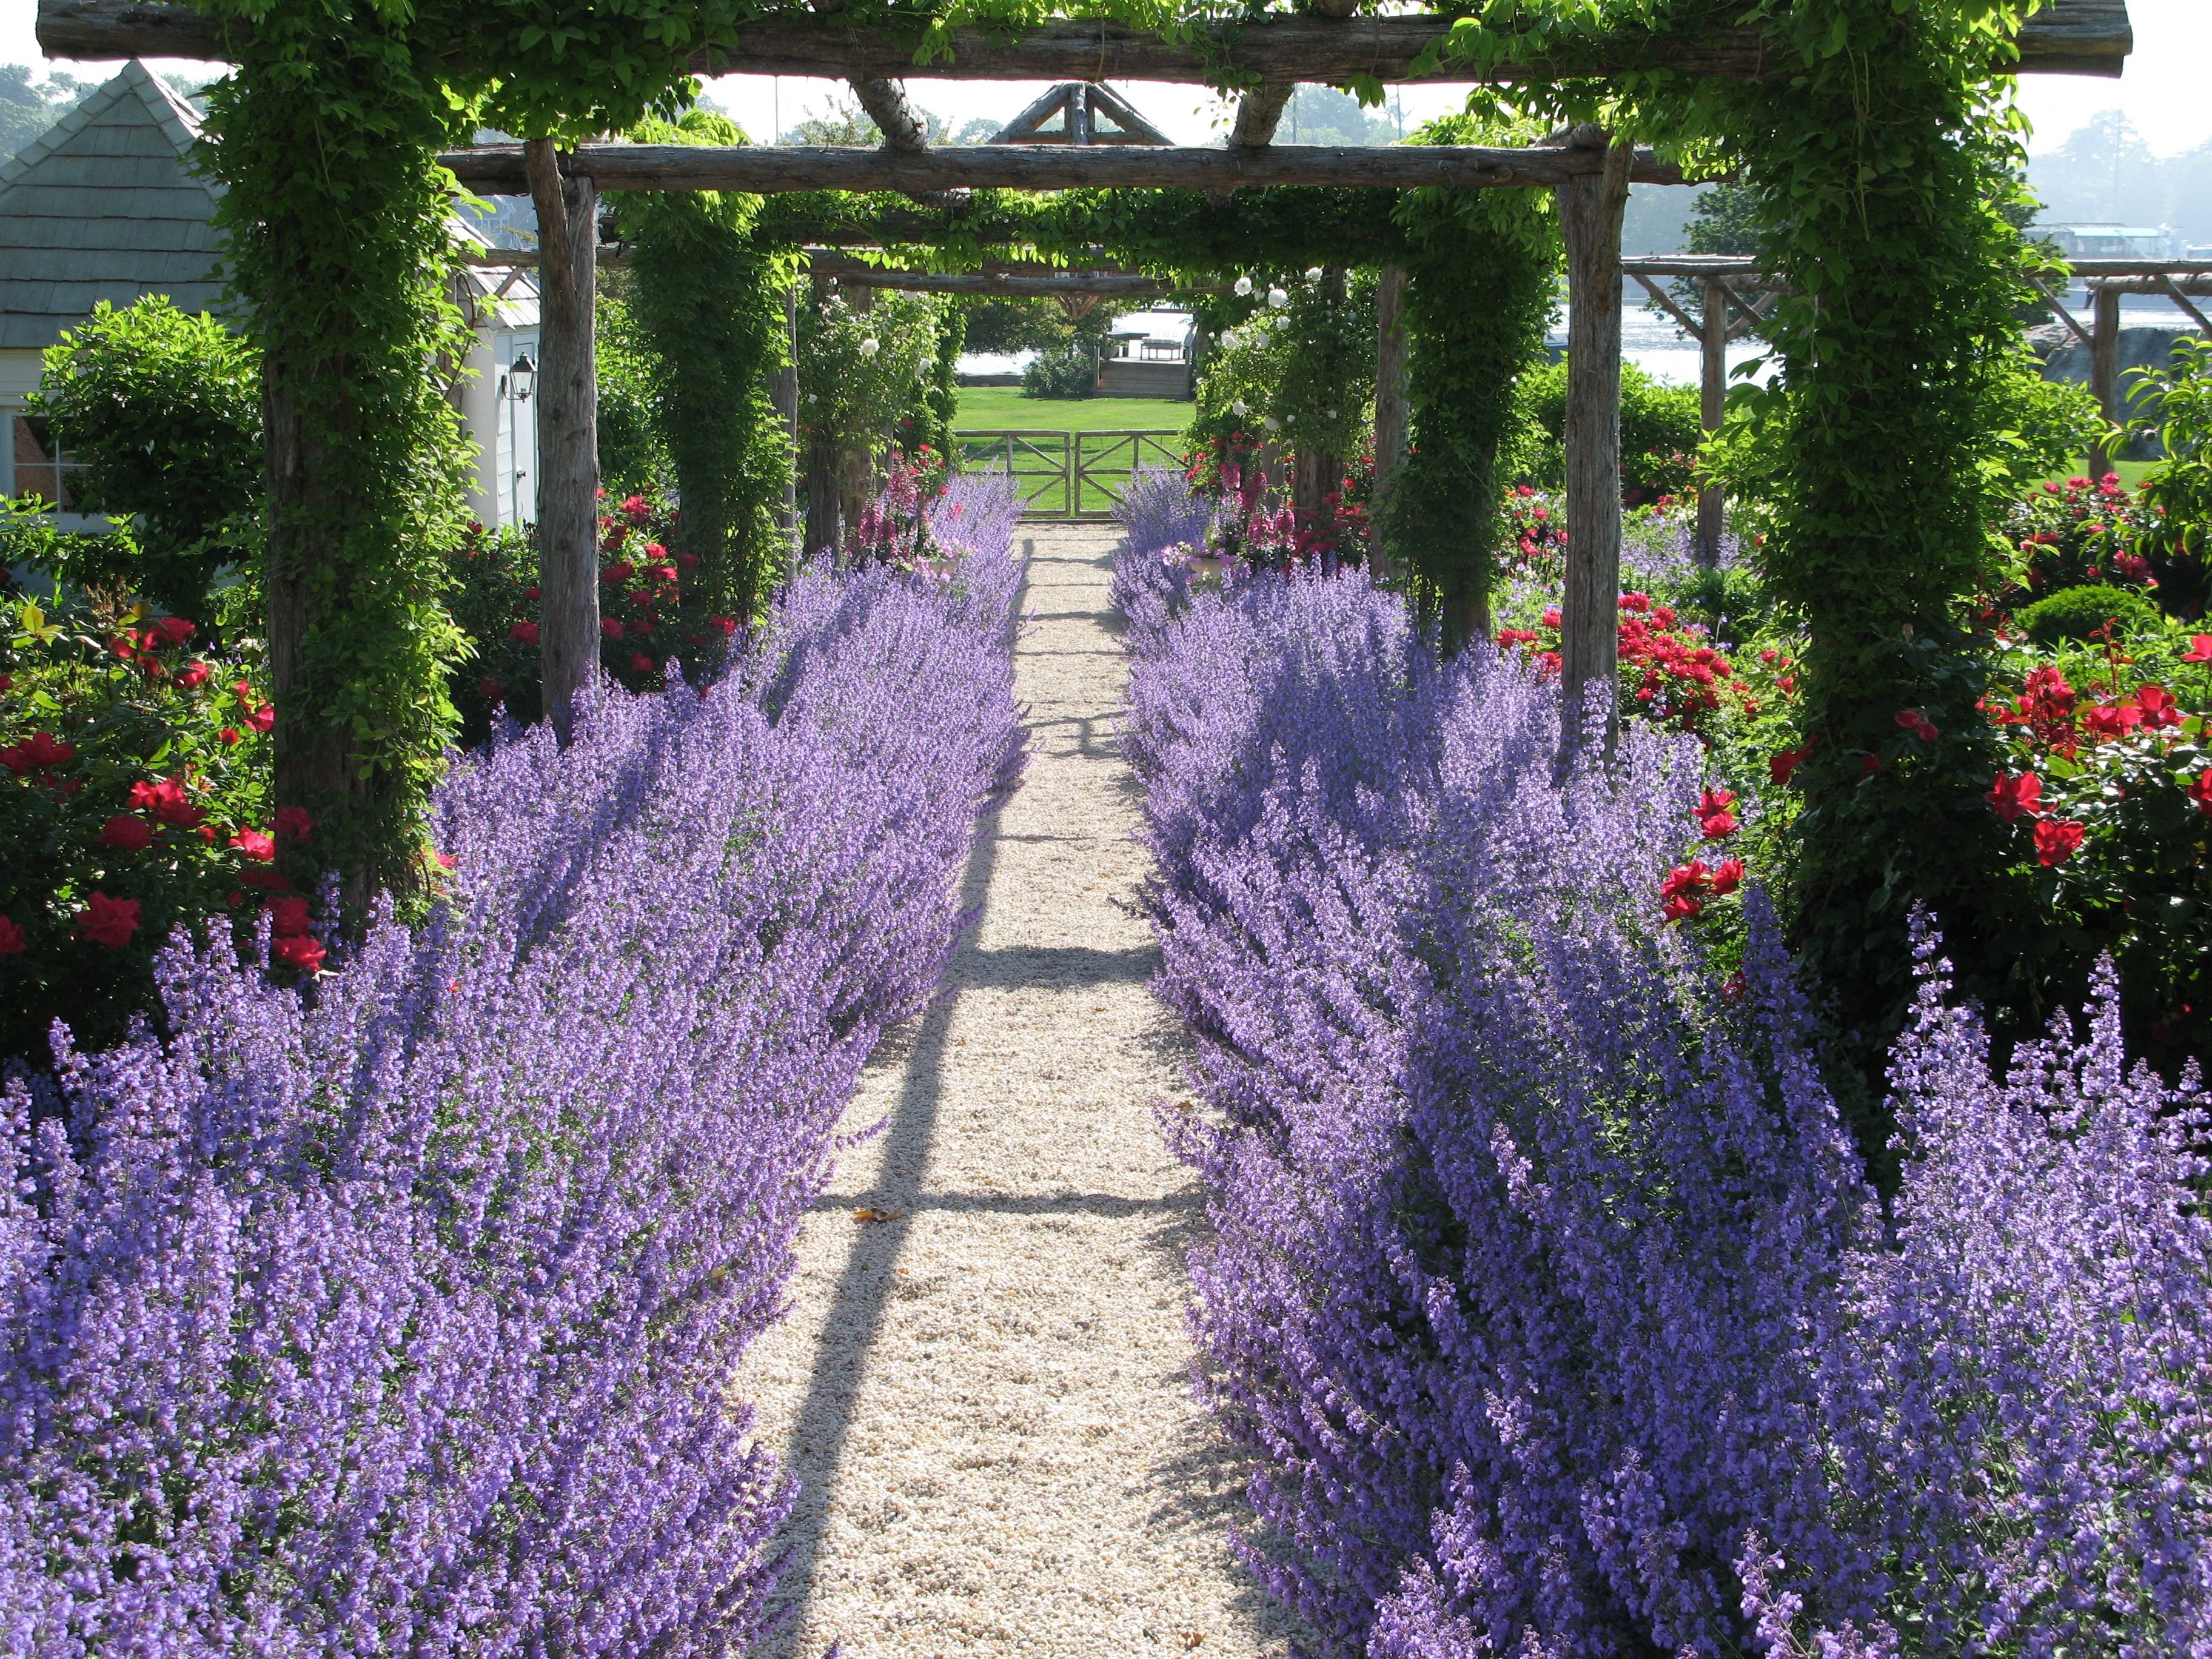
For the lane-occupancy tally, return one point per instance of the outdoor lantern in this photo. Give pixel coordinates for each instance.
(522, 379)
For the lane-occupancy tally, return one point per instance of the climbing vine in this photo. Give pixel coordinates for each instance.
(708, 302)
(1441, 518)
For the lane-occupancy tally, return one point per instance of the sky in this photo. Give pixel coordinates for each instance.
(2162, 91)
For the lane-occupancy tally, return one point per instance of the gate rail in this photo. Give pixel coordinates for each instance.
(1069, 475)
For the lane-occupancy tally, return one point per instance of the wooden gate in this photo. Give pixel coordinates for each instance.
(1070, 475)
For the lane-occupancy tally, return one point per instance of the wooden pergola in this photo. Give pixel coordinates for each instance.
(1590, 172)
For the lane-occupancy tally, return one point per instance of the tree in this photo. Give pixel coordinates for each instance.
(847, 123)
(164, 409)
(1725, 220)
(27, 110)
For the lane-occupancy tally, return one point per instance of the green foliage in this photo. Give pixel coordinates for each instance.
(633, 460)
(859, 370)
(1065, 371)
(165, 411)
(1012, 325)
(1660, 431)
(1462, 362)
(707, 300)
(929, 424)
(1725, 220)
(133, 762)
(1302, 372)
(2180, 487)
(2078, 613)
(343, 267)
(1877, 156)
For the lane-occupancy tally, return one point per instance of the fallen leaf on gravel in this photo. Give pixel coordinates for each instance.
(870, 1212)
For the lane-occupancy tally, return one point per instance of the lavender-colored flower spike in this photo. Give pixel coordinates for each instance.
(1546, 1289)
(403, 1321)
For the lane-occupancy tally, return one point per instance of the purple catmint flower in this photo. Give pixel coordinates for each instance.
(1546, 1288)
(400, 1318)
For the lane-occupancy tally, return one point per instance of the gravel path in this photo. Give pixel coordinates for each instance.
(982, 1381)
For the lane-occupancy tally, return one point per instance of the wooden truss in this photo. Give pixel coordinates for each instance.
(1080, 105)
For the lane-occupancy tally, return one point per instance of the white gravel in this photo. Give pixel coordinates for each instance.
(986, 1395)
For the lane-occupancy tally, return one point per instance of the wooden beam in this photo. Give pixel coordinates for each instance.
(567, 433)
(1590, 212)
(2105, 376)
(2071, 37)
(1712, 403)
(1076, 283)
(1259, 112)
(764, 169)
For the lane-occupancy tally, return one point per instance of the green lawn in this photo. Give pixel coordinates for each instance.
(1003, 409)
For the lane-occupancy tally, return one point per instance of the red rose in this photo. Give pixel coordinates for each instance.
(2056, 841)
(1728, 876)
(491, 691)
(298, 950)
(1679, 910)
(2200, 649)
(108, 921)
(1551, 618)
(262, 718)
(293, 824)
(266, 881)
(527, 632)
(166, 800)
(175, 630)
(1719, 825)
(610, 629)
(287, 916)
(243, 692)
(530, 593)
(38, 750)
(2013, 799)
(2201, 792)
(12, 942)
(662, 573)
(1685, 880)
(689, 561)
(2158, 708)
(640, 664)
(727, 624)
(228, 736)
(193, 675)
(1917, 723)
(130, 834)
(619, 571)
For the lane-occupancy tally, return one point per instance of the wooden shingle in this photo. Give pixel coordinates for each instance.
(106, 204)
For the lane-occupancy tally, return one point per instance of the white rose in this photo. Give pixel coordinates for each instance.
(871, 346)
(1312, 273)
(1244, 286)
(1271, 424)
(1278, 298)
(1238, 409)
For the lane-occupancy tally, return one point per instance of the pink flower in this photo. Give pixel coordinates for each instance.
(2200, 649)
(130, 835)
(2056, 841)
(262, 718)
(1917, 723)
(298, 950)
(255, 845)
(109, 921)
(12, 942)
(193, 675)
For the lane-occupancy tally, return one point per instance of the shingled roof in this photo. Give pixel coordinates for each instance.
(105, 205)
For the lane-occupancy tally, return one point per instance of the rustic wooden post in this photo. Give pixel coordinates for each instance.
(1390, 417)
(568, 432)
(1713, 401)
(1314, 471)
(1079, 129)
(1590, 210)
(821, 471)
(783, 391)
(2105, 371)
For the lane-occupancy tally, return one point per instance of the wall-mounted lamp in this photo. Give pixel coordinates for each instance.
(522, 379)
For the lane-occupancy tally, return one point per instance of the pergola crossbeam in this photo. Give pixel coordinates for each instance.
(2071, 37)
(764, 169)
